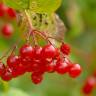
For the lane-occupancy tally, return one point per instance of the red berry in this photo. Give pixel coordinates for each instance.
(7, 75)
(37, 66)
(3, 9)
(57, 56)
(37, 52)
(75, 70)
(36, 78)
(14, 72)
(13, 61)
(50, 67)
(11, 12)
(34, 66)
(21, 69)
(90, 84)
(48, 51)
(27, 51)
(27, 63)
(69, 63)
(61, 67)
(65, 49)
(7, 30)
(2, 68)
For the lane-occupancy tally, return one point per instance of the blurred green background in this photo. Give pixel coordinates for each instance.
(79, 17)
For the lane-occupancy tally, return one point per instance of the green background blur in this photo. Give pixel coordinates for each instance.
(79, 17)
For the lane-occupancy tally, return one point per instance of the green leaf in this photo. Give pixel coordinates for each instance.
(17, 4)
(47, 6)
(14, 92)
(38, 6)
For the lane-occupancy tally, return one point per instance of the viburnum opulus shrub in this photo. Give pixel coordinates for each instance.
(34, 58)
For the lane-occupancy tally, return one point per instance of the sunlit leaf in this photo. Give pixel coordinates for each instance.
(39, 6)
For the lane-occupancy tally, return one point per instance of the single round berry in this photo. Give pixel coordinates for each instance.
(13, 61)
(48, 51)
(27, 51)
(36, 78)
(2, 68)
(61, 67)
(90, 84)
(7, 75)
(3, 9)
(75, 70)
(65, 49)
(50, 68)
(11, 12)
(7, 30)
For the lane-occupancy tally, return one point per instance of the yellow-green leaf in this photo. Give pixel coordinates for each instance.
(47, 6)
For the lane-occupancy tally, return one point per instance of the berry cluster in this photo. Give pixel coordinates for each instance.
(35, 59)
(39, 60)
(7, 14)
(90, 84)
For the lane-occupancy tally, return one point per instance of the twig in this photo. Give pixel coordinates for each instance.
(31, 28)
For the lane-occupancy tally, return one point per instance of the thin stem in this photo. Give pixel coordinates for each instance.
(31, 28)
(13, 48)
(5, 54)
(34, 38)
(42, 35)
(28, 36)
(56, 39)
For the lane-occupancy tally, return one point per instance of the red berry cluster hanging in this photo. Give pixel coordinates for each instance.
(7, 14)
(35, 59)
(39, 60)
(90, 84)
